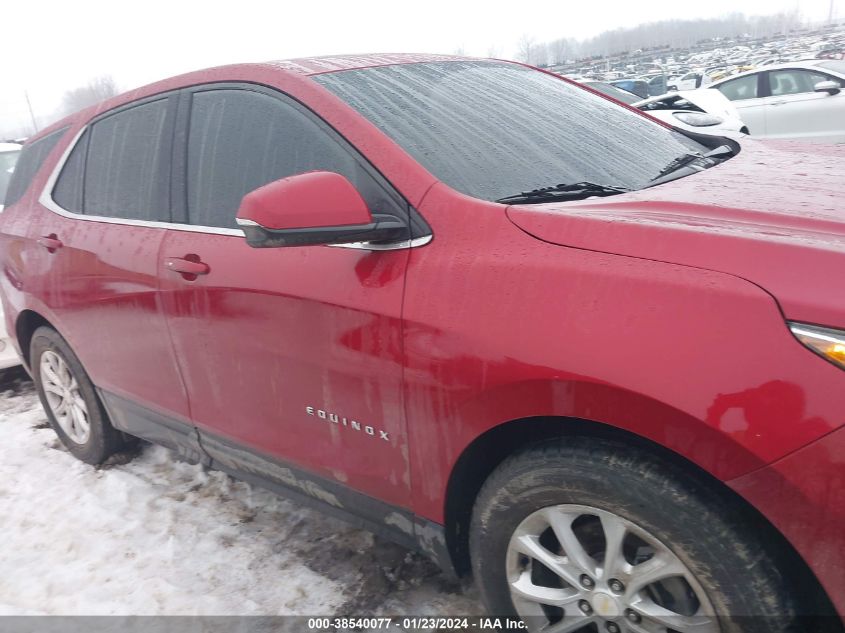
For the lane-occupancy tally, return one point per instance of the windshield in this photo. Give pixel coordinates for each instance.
(612, 91)
(836, 65)
(492, 129)
(7, 166)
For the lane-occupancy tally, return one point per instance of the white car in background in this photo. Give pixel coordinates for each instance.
(9, 153)
(795, 100)
(700, 111)
(692, 80)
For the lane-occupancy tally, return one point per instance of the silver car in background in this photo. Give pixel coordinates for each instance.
(795, 100)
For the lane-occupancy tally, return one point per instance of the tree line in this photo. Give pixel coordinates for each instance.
(655, 36)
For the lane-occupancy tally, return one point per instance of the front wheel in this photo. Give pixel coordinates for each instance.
(586, 535)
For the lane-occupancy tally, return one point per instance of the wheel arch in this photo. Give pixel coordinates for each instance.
(482, 456)
(25, 325)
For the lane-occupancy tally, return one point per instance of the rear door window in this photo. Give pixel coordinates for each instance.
(127, 164)
(29, 162)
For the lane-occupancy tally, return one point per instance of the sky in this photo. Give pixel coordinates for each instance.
(53, 46)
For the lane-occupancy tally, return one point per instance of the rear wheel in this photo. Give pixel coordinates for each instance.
(68, 396)
(591, 536)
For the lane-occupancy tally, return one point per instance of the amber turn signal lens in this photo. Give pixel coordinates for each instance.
(826, 342)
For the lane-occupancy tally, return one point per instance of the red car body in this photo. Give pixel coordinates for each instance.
(657, 315)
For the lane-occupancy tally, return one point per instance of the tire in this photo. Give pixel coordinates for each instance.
(100, 439)
(718, 574)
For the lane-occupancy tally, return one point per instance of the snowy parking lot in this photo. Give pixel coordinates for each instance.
(149, 535)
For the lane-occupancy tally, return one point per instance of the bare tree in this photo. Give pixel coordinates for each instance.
(494, 51)
(525, 48)
(540, 55)
(559, 51)
(96, 90)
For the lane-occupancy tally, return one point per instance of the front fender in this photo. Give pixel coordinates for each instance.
(502, 326)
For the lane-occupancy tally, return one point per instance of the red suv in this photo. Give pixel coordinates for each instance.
(485, 311)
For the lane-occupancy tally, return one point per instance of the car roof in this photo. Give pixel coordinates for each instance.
(9, 147)
(295, 69)
(805, 63)
(336, 63)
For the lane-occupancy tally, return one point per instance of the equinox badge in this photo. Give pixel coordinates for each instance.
(350, 424)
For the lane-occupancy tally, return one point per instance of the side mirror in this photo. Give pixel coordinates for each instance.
(317, 207)
(830, 87)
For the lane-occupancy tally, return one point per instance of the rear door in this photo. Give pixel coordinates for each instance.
(101, 223)
(292, 356)
(796, 110)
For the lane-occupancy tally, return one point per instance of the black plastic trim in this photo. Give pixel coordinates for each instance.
(139, 421)
(383, 228)
(391, 522)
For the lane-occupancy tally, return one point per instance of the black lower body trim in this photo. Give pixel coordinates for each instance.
(139, 421)
(396, 524)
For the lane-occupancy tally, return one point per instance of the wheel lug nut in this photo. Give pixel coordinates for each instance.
(616, 585)
(587, 582)
(585, 607)
(632, 616)
(612, 627)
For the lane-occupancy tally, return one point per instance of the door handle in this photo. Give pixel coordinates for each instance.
(188, 266)
(51, 242)
(774, 103)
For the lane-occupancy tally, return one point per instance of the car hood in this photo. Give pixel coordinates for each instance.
(711, 101)
(774, 215)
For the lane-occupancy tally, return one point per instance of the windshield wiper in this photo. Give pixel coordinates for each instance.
(576, 191)
(713, 157)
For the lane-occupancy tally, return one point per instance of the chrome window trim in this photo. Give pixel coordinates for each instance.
(370, 246)
(46, 200)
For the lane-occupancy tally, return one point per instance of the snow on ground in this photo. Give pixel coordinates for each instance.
(155, 536)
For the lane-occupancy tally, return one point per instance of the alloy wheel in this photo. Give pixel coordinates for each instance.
(578, 568)
(64, 398)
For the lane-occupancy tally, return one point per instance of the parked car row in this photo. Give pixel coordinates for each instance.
(687, 70)
(796, 100)
(683, 70)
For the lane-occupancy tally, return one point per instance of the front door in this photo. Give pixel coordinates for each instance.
(796, 110)
(292, 356)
